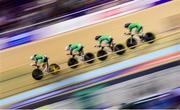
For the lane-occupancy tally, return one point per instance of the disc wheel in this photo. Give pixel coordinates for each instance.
(88, 57)
(73, 61)
(102, 55)
(131, 43)
(54, 68)
(37, 74)
(149, 37)
(119, 49)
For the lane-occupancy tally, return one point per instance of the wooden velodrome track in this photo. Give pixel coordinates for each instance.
(15, 69)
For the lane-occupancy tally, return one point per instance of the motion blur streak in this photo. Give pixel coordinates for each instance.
(79, 22)
(27, 13)
(119, 91)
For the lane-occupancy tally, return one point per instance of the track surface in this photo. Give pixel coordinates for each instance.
(15, 71)
(10, 87)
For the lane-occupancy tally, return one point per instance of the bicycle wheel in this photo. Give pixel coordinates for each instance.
(102, 55)
(119, 49)
(149, 37)
(131, 43)
(88, 57)
(54, 68)
(73, 61)
(37, 74)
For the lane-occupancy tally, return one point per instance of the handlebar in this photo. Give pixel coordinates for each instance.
(102, 46)
(127, 33)
(98, 46)
(73, 55)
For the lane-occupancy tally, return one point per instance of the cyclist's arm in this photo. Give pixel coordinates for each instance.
(35, 61)
(100, 41)
(130, 30)
(76, 49)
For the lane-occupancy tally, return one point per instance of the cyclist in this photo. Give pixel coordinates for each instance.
(108, 40)
(40, 60)
(138, 29)
(75, 49)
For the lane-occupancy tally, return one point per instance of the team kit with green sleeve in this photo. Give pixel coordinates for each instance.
(75, 47)
(39, 58)
(137, 26)
(106, 38)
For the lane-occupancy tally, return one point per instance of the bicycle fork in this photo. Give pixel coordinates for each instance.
(131, 39)
(46, 68)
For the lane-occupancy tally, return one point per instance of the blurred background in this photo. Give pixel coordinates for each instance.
(18, 16)
(146, 77)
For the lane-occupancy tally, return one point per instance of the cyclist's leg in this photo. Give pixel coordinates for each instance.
(76, 51)
(73, 52)
(140, 32)
(132, 37)
(133, 32)
(46, 63)
(111, 44)
(81, 51)
(40, 63)
(111, 41)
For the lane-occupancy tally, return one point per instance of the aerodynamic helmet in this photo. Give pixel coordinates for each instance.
(68, 47)
(32, 57)
(97, 37)
(127, 25)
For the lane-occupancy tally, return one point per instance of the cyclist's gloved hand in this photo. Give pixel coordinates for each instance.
(32, 64)
(127, 33)
(97, 46)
